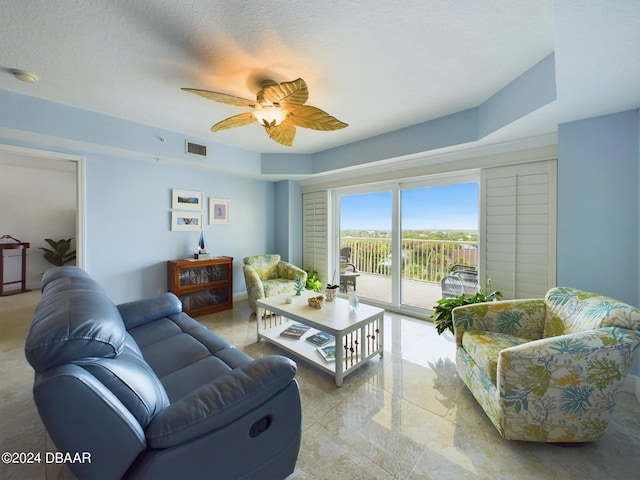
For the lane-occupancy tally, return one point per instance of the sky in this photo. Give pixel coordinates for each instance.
(448, 207)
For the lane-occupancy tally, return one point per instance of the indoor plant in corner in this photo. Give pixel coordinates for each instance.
(59, 253)
(443, 310)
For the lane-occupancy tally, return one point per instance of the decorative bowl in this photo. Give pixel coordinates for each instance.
(316, 302)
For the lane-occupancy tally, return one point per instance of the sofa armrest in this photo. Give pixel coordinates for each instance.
(522, 318)
(590, 364)
(221, 401)
(289, 271)
(147, 310)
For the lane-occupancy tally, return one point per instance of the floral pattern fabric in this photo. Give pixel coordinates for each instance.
(547, 370)
(267, 275)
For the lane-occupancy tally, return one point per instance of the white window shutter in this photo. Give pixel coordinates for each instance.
(518, 230)
(315, 232)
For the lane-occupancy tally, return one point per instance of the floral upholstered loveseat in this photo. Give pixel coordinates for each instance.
(267, 275)
(547, 370)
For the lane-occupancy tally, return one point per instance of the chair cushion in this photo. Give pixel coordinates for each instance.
(265, 265)
(571, 311)
(485, 347)
(277, 286)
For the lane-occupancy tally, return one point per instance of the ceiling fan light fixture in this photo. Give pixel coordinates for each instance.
(279, 108)
(269, 115)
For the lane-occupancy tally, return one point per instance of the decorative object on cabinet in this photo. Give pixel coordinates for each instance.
(202, 249)
(203, 286)
(218, 211)
(186, 199)
(8, 243)
(185, 221)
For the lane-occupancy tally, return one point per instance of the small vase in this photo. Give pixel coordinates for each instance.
(354, 302)
(330, 293)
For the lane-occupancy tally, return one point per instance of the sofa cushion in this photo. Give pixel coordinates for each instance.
(570, 311)
(71, 325)
(484, 348)
(133, 381)
(67, 271)
(71, 283)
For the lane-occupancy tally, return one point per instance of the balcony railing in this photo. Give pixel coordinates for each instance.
(425, 260)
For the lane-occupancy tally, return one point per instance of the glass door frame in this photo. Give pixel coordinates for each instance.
(396, 188)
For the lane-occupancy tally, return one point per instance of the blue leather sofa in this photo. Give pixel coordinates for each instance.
(145, 391)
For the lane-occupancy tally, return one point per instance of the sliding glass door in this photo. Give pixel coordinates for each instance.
(396, 243)
(365, 244)
(439, 229)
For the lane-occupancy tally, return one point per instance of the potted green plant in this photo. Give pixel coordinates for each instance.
(59, 253)
(443, 310)
(313, 282)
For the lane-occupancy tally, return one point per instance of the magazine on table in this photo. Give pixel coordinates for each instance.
(328, 352)
(321, 338)
(295, 330)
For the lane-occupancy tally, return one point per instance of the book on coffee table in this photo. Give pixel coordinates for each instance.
(320, 338)
(328, 352)
(295, 330)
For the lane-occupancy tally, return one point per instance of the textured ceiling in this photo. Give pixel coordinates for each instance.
(377, 65)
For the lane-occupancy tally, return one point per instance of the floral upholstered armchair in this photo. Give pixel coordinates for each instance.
(547, 370)
(267, 275)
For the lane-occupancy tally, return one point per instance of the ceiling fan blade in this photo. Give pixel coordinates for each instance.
(283, 133)
(236, 121)
(285, 93)
(222, 97)
(307, 116)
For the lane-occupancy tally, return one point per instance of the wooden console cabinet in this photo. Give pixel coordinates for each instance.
(203, 286)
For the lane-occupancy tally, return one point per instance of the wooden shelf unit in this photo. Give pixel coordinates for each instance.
(203, 286)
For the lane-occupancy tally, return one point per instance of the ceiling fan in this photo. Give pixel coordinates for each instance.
(278, 107)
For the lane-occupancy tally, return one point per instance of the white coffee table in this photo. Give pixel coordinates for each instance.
(359, 334)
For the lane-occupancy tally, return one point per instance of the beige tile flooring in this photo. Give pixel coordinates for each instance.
(406, 415)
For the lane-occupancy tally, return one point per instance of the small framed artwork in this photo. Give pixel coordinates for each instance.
(186, 221)
(186, 199)
(218, 211)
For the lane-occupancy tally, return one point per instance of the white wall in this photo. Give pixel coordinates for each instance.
(36, 203)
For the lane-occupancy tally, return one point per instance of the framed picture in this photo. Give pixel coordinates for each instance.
(186, 199)
(218, 211)
(186, 221)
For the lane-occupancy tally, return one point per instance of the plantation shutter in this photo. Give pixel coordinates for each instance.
(518, 231)
(315, 232)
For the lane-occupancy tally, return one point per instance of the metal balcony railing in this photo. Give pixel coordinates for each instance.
(425, 260)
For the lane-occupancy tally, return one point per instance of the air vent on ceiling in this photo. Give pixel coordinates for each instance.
(196, 149)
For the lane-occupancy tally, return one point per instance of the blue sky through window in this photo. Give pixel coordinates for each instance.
(448, 207)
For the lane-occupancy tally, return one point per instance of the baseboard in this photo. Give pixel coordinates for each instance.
(240, 296)
(632, 386)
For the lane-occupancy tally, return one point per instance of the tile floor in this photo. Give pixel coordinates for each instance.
(406, 415)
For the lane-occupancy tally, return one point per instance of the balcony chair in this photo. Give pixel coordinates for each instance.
(348, 272)
(461, 279)
(547, 370)
(267, 275)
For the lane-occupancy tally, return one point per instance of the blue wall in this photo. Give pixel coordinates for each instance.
(129, 176)
(598, 210)
(128, 217)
